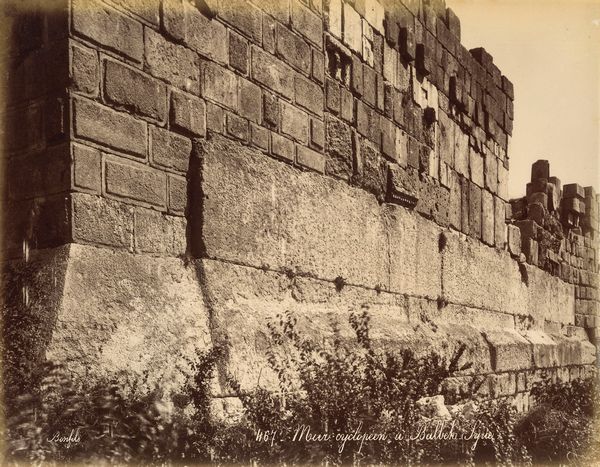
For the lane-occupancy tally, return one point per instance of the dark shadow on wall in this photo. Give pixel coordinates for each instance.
(34, 178)
(196, 252)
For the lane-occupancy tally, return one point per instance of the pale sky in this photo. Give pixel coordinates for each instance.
(550, 50)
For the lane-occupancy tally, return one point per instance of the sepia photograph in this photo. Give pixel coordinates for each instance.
(299, 232)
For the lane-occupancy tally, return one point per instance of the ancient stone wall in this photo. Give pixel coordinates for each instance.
(199, 167)
(556, 228)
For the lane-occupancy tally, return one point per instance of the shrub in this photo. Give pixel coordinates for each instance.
(334, 387)
(344, 386)
(106, 426)
(561, 427)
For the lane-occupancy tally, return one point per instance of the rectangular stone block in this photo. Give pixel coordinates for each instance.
(134, 91)
(137, 182)
(352, 33)
(250, 105)
(540, 170)
(573, 190)
(454, 211)
(502, 182)
(294, 123)
(238, 52)
(170, 150)
(465, 209)
(87, 168)
(317, 134)
(487, 217)
(549, 298)
(156, 232)
(188, 113)
(476, 168)
(461, 153)
(282, 147)
(491, 172)
(243, 16)
(215, 118)
(283, 228)
(510, 351)
(203, 35)
(309, 95)
(334, 19)
(237, 127)
(446, 139)
(105, 126)
(102, 221)
(272, 73)
(504, 384)
(544, 349)
(338, 147)
(171, 62)
(307, 23)
(292, 49)
(219, 85)
(85, 69)
(310, 159)
(514, 240)
(318, 66)
(259, 137)
(177, 201)
(475, 210)
(482, 277)
(415, 261)
(147, 9)
(108, 27)
(500, 231)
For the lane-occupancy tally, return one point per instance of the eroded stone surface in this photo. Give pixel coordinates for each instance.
(482, 277)
(288, 219)
(130, 314)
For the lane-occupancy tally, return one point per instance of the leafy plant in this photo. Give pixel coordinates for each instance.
(339, 386)
(562, 426)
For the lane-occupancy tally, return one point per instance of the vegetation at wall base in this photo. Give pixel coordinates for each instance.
(340, 387)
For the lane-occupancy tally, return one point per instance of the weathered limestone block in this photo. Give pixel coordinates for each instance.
(510, 350)
(549, 298)
(545, 350)
(503, 384)
(574, 350)
(288, 219)
(482, 277)
(107, 312)
(514, 240)
(414, 258)
(240, 315)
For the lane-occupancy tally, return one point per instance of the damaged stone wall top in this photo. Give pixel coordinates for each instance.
(556, 228)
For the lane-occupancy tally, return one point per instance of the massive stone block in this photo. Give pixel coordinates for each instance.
(414, 258)
(240, 315)
(107, 313)
(287, 219)
(549, 298)
(482, 277)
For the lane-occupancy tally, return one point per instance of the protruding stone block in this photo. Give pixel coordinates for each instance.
(514, 240)
(540, 169)
(573, 190)
(511, 351)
